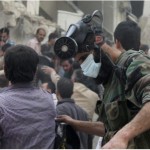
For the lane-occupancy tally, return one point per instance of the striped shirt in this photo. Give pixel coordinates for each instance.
(26, 118)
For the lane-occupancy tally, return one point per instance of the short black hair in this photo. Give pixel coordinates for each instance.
(5, 47)
(52, 36)
(128, 33)
(51, 86)
(20, 64)
(38, 30)
(144, 47)
(4, 30)
(85, 80)
(70, 60)
(3, 81)
(65, 87)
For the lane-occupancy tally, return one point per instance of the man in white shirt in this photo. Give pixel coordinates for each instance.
(35, 43)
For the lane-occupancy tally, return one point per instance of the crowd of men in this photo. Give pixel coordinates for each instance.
(38, 89)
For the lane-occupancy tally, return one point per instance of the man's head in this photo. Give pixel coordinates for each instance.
(4, 48)
(40, 34)
(67, 64)
(4, 33)
(64, 88)
(78, 76)
(127, 35)
(20, 64)
(52, 38)
(145, 48)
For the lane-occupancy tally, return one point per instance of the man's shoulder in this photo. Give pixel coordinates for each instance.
(139, 67)
(33, 40)
(84, 91)
(127, 55)
(3, 94)
(4, 90)
(72, 109)
(132, 59)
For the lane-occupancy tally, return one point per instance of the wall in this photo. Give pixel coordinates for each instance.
(146, 9)
(89, 6)
(110, 10)
(33, 7)
(51, 8)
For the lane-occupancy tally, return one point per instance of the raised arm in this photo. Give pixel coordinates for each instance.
(113, 52)
(50, 71)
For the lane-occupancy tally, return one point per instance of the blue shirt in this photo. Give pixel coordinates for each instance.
(12, 43)
(26, 118)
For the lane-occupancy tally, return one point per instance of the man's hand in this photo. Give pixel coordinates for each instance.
(99, 40)
(48, 70)
(64, 118)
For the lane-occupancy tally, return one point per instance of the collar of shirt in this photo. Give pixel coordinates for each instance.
(68, 100)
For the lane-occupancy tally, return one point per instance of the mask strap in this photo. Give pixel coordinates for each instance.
(100, 60)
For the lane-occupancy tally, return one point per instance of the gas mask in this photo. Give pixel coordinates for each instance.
(79, 36)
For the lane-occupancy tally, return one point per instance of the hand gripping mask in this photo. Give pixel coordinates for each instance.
(79, 36)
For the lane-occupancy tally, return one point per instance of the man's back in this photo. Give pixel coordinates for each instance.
(85, 98)
(68, 107)
(26, 117)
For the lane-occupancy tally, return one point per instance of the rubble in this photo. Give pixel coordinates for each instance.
(22, 25)
(144, 23)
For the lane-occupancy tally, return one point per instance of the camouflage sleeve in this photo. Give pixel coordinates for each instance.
(138, 80)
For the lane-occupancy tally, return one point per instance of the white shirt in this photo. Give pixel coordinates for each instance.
(33, 43)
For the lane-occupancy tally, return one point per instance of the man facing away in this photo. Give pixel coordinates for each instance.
(26, 112)
(67, 106)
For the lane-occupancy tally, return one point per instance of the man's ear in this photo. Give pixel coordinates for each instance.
(118, 44)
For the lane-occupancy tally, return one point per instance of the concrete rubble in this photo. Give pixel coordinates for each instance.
(144, 23)
(22, 25)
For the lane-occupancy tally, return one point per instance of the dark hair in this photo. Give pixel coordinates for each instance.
(51, 86)
(5, 47)
(76, 65)
(38, 30)
(70, 60)
(144, 47)
(65, 87)
(128, 33)
(3, 81)
(4, 30)
(87, 81)
(20, 63)
(52, 36)
(79, 76)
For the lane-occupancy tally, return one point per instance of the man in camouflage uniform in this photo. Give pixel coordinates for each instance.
(124, 111)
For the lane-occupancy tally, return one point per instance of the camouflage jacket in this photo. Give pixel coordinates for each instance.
(122, 102)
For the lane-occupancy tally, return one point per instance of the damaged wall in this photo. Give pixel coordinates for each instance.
(21, 23)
